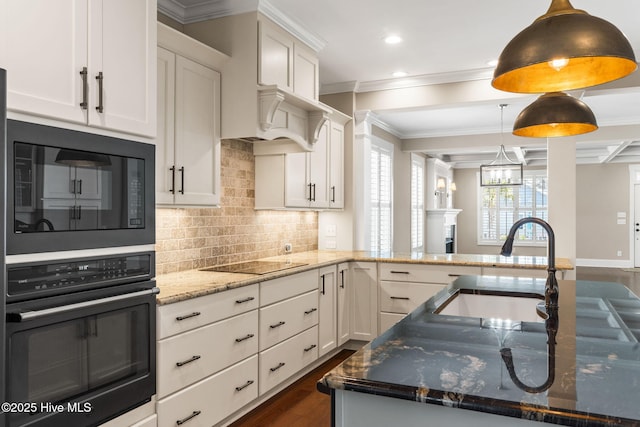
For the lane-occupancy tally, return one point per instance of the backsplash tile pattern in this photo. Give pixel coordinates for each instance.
(189, 238)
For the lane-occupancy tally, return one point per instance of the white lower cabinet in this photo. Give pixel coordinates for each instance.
(284, 319)
(343, 301)
(327, 319)
(211, 400)
(151, 421)
(364, 300)
(191, 356)
(285, 359)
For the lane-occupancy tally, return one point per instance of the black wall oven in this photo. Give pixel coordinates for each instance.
(70, 190)
(80, 341)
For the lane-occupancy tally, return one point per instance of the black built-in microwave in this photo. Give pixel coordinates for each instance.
(71, 190)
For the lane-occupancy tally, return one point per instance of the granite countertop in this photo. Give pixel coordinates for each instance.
(455, 361)
(180, 286)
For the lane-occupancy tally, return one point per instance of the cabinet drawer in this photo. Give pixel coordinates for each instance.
(196, 312)
(285, 359)
(387, 320)
(276, 290)
(213, 399)
(403, 297)
(287, 318)
(444, 274)
(191, 356)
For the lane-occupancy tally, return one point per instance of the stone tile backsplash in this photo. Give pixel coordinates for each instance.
(189, 238)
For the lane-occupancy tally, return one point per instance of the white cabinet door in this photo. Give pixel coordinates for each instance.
(165, 135)
(327, 319)
(336, 166)
(364, 301)
(275, 56)
(197, 134)
(43, 49)
(318, 165)
(298, 191)
(122, 46)
(343, 302)
(305, 71)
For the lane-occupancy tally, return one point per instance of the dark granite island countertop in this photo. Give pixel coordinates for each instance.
(432, 362)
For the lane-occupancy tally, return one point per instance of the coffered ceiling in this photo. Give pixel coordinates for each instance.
(445, 42)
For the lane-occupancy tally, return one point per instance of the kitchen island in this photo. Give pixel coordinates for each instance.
(440, 369)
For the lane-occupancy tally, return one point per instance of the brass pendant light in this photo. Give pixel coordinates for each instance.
(555, 114)
(564, 49)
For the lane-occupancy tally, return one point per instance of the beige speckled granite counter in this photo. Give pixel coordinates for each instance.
(180, 286)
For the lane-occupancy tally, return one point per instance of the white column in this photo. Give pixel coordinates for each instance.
(561, 171)
(361, 173)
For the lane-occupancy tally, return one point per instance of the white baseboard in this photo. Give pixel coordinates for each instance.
(607, 263)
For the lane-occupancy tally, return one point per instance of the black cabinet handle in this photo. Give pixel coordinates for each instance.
(85, 90)
(193, 359)
(311, 347)
(187, 316)
(314, 192)
(184, 420)
(310, 311)
(342, 279)
(245, 385)
(79, 216)
(181, 180)
(172, 190)
(333, 193)
(277, 325)
(275, 368)
(310, 198)
(399, 272)
(323, 285)
(402, 298)
(454, 275)
(100, 79)
(246, 337)
(247, 299)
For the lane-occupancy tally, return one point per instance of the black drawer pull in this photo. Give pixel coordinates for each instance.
(399, 272)
(280, 365)
(245, 338)
(311, 347)
(184, 420)
(403, 298)
(193, 359)
(242, 301)
(277, 325)
(194, 314)
(454, 275)
(245, 385)
(310, 311)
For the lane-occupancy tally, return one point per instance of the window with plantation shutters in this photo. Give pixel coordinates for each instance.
(500, 207)
(380, 201)
(417, 203)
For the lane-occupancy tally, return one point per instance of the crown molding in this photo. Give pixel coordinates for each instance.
(342, 87)
(220, 8)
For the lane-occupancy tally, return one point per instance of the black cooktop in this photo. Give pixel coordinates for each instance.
(254, 267)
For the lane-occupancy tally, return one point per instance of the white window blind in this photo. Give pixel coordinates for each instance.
(417, 203)
(381, 166)
(500, 207)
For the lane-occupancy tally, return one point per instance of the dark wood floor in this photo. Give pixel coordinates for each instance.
(300, 404)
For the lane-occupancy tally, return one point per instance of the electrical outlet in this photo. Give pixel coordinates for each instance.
(288, 248)
(619, 253)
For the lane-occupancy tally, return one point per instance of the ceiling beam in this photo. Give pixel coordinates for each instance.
(614, 151)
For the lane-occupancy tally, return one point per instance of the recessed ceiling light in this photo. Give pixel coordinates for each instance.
(400, 74)
(393, 39)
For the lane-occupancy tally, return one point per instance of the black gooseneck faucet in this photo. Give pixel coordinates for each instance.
(551, 286)
(551, 308)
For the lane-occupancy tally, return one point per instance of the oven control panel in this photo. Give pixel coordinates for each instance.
(43, 279)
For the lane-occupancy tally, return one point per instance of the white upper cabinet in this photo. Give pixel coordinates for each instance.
(188, 142)
(83, 61)
(286, 62)
(311, 180)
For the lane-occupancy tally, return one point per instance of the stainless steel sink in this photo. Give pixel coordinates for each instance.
(516, 308)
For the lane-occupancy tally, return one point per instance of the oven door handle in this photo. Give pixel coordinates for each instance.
(33, 315)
